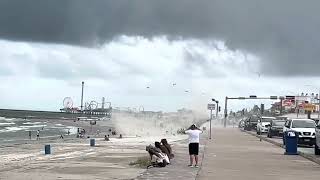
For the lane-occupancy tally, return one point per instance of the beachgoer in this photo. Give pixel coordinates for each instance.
(120, 136)
(162, 148)
(61, 137)
(158, 159)
(168, 147)
(68, 132)
(194, 139)
(30, 134)
(106, 138)
(38, 135)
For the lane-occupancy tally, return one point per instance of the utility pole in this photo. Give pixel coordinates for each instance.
(210, 122)
(211, 107)
(225, 112)
(82, 97)
(217, 109)
(318, 103)
(281, 99)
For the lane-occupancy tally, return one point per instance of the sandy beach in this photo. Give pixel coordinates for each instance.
(73, 158)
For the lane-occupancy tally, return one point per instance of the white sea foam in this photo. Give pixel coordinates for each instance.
(14, 129)
(7, 123)
(72, 129)
(34, 126)
(31, 123)
(10, 119)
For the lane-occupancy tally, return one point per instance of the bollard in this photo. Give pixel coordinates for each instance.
(291, 142)
(47, 149)
(92, 142)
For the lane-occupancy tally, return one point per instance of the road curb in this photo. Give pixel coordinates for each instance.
(307, 156)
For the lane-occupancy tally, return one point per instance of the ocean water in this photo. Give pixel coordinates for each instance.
(17, 130)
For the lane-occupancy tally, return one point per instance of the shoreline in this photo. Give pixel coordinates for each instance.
(73, 156)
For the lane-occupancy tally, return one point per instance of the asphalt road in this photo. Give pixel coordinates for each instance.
(304, 149)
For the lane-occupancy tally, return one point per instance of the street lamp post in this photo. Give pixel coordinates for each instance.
(225, 112)
(217, 103)
(217, 110)
(217, 106)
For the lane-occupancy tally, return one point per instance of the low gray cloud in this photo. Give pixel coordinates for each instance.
(283, 33)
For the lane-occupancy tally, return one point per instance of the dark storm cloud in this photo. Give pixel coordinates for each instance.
(283, 33)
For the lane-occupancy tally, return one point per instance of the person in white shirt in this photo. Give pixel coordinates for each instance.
(194, 139)
(38, 135)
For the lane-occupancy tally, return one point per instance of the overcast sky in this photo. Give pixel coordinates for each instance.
(210, 48)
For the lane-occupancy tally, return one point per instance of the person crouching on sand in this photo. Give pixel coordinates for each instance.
(162, 148)
(168, 147)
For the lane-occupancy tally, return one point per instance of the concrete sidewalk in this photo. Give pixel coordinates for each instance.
(233, 154)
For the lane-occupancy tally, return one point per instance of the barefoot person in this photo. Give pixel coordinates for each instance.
(194, 139)
(38, 135)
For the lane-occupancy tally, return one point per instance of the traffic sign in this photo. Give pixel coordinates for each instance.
(309, 107)
(211, 106)
(291, 97)
(274, 97)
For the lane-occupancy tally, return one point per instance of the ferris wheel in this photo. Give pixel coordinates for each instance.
(93, 105)
(67, 103)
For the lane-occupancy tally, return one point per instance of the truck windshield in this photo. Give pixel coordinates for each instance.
(303, 124)
(266, 119)
(278, 123)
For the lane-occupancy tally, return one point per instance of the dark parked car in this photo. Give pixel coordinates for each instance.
(251, 123)
(316, 120)
(241, 123)
(276, 128)
(282, 118)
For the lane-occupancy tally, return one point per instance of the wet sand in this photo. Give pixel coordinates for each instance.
(75, 159)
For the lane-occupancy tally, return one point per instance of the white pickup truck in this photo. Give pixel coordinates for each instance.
(305, 128)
